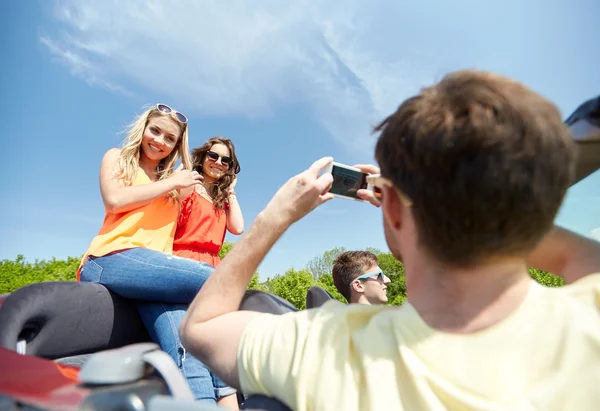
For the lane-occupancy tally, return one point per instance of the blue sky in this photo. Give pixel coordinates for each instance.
(289, 82)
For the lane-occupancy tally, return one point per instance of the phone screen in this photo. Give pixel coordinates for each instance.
(347, 182)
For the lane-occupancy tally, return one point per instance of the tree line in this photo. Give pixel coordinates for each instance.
(291, 285)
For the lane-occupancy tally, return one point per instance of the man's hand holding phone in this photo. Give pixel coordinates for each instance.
(351, 182)
(301, 194)
(368, 194)
(315, 186)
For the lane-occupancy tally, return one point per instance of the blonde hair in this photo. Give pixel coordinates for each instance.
(129, 158)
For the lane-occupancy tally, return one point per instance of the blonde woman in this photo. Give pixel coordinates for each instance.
(132, 253)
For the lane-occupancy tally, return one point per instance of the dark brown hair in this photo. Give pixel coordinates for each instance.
(349, 265)
(486, 162)
(218, 191)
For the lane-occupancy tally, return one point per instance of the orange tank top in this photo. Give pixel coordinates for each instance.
(200, 230)
(150, 226)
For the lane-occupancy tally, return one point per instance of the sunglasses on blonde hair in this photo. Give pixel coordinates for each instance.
(163, 108)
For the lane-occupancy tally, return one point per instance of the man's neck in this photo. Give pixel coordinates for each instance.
(466, 300)
(361, 299)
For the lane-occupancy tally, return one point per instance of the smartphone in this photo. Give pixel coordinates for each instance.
(346, 181)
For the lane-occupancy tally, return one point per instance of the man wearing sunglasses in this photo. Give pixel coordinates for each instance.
(357, 276)
(473, 172)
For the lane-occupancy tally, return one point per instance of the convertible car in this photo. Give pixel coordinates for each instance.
(77, 346)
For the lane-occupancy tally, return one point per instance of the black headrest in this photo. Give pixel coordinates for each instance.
(588, 111)
(255, 300)
(584, 124)
(316, 297)
(61, 319)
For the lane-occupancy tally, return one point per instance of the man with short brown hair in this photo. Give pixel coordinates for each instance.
(485, 161)
(358, 277)
(473, 172)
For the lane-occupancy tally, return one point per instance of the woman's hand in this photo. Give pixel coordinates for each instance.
(119, 197)
(231, 188)
(235, 219)
(183, 178)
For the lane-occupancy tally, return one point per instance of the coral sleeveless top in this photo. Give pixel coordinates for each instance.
(200, 230)
(150, 226)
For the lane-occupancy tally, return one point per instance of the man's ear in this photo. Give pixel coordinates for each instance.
(357, 286)
(392, 207)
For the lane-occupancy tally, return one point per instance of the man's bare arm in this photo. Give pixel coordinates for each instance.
(213, 326)
(567, 254)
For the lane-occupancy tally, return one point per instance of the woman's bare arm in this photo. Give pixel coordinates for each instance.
(118, 197)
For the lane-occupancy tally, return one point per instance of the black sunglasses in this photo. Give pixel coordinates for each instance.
(163, 108)
(228, 161)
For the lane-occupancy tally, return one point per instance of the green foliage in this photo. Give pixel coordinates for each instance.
(225, 248)
(394, 269)
(18, 273)
(255, 283)
(323, 264)
(547, 279)
(326, 282)
(292, 285)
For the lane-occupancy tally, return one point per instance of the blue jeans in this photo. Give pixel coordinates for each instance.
(162, 322)
(166, 284)
(148, 275)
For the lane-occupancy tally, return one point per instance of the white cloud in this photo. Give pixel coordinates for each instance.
(82, 67)
(243, 58)
(595, 234)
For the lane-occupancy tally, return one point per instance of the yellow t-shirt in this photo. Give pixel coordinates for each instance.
(355, 357)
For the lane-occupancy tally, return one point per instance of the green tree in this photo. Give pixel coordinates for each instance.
(225, 248)
(547, 279)
(323, 263)
(291, 286)
(18, 273)
(326, 283)
(255, 283)
(394, 269)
